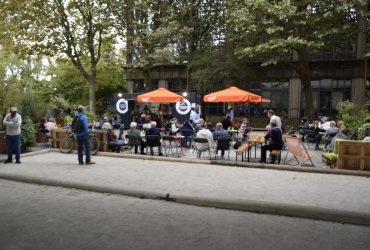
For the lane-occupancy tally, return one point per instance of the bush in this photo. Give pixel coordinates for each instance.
(28, 138)
(354, 116)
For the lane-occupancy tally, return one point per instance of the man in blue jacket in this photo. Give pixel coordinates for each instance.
(83, 137)
(276, 141)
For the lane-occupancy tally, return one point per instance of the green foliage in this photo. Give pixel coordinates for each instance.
(28, 138)
(91, 116)
(354, 116)
(58, 104)
(362, 129)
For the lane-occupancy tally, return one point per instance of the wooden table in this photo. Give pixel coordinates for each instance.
(58, 134)
(255, 140)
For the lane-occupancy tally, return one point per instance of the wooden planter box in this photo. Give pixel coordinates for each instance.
(58, 134)
(354, 155)
(2, 142)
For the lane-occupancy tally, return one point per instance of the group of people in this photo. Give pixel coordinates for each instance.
(323, 131)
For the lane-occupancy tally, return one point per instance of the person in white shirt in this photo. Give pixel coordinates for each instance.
(195, 116)
(13, 122)
(325, 124)
(273, 119)
(204, 132)
(367, 135)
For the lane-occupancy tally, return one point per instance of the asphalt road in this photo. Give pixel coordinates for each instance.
(44, 217)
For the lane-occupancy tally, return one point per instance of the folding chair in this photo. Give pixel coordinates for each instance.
(153, 141)
(223, 144)
(310, 137)
(298, 150)
(202, 145)
(132, 142)
(170, 145)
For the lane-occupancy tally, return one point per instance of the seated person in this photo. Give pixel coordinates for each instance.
(187, 131)
(142, 119)
(318, 133)
(204, 132)
(114, 142)
(343, 134)
(367, 135)
(171, 126)
(199, 126)
(219, 133)
(276, 143)
(244, 129)
(330, 132)
(147, 124)
(303, 126)
(155, 131)
(226, 123)
(46, 126)
(325, 124)
(134, 131)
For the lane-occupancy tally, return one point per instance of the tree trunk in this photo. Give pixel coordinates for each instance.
(92, 87)
(147, 79)
(303, 71)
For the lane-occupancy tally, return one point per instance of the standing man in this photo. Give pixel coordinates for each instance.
(195, 116)
(83, 137)
(13, 122)
(276, 143)
(273, 119)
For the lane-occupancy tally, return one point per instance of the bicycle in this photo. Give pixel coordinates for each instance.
(69, 141)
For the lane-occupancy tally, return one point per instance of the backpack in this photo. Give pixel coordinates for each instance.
(76, 124)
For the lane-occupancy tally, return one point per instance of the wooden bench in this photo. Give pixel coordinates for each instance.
(241, 151)
(354, 155)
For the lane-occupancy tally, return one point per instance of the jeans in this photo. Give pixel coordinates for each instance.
(83, 142)
(13, 141)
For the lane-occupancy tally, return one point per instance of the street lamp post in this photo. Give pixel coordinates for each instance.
(366, 56)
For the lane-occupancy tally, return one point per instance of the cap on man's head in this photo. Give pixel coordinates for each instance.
(271, 111)
(81, 108)
(13, 109)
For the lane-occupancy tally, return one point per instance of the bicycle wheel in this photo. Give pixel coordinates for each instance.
(94, 145)
(66, 144)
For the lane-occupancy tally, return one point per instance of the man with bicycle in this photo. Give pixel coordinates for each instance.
(83, 136)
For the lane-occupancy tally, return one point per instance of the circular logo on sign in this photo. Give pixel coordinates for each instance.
(183, 107)
(122, 106)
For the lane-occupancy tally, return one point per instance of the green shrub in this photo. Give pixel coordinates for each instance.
(28, 138)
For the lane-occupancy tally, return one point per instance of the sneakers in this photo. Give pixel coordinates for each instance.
(81, 163)
(8, 161)
(18, 162)
(90, 162)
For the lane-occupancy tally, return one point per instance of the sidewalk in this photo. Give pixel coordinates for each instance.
(331, 197)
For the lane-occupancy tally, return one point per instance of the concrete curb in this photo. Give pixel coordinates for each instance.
(241, 164)
(291, 210)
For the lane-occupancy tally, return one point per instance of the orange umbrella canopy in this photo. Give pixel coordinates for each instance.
(160, 95)
(232, 94)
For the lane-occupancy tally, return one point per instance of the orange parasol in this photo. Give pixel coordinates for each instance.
(232, 94)
(265, 100)
(160, 95)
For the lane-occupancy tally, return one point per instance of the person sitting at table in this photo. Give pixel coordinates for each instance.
(227, 122)
(244, 129)
(303, 126)
(198, 126)
(204, 132)
(142, 119)
(276, 137)
(219, 133)
(187, 131)
(343, 134)
(46, 126)
(155, 131)
(273, 118)
(330, 133)
(135, 132)
(147, 124)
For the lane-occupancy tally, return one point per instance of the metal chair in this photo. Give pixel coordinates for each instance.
(223, 144)
(153, 141)
(133, 142)
(310, 137)
(170, 145)
(203, 142)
